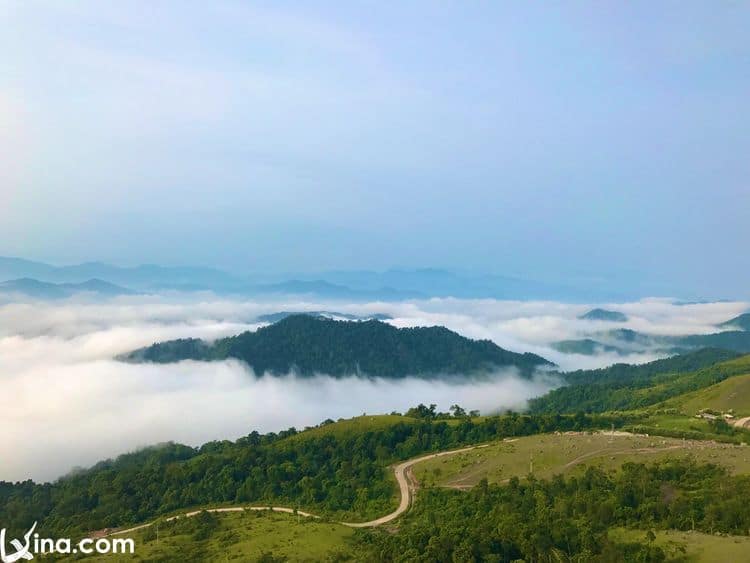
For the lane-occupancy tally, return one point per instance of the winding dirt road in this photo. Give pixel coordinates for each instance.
(402, 471)
(407, 485)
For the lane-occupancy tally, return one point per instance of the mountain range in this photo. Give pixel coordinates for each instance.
(353, 285)
(44, 290)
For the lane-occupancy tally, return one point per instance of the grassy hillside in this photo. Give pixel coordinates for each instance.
(552, 454)
(310, 345)
(346, 428)
(625, 387)
(243, 536)
(643, 373)
(730, 394)
(689, 546)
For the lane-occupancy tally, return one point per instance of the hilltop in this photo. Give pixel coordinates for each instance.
(281, 315)
(309, 345)
(604, 315)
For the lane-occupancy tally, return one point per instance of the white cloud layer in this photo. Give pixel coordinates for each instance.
(66, 403)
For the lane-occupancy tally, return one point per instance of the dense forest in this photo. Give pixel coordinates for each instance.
(626, 387)
(562, 518)
(336, 474)
(309, 345)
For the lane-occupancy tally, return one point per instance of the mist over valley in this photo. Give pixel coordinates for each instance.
(61, 377)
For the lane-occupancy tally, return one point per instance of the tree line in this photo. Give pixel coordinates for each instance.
(567, 519)
(343, 475)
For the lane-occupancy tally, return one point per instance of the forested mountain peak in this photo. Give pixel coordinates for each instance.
(309, 345)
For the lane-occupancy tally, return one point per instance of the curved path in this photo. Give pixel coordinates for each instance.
(402, 472)
(407, 486)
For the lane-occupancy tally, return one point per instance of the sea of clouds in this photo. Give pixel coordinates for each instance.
(65, 402)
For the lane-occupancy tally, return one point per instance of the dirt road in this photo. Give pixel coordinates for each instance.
(403, 476)
(405, 483)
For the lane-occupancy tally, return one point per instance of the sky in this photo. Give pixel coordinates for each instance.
(545, 140)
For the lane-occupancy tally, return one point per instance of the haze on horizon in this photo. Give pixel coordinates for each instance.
(280, 137)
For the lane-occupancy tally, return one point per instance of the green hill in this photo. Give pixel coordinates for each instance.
(585, 346)
(626, 387)
(741, 322)
(604, 315)
(625, 340)
(310, 345)
(731, 394)
(737, 340)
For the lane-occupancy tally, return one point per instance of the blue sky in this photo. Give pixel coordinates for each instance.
(547, 140)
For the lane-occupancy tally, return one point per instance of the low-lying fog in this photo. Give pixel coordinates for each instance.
(65, 402)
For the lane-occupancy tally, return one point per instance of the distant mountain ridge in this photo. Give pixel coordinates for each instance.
(44, 290)
(310, 345)
(354, 285)
(147, 276)
(625, 341)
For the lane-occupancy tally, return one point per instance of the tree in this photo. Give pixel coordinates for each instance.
(457, 411)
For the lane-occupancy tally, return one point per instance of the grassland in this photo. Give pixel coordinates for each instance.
(730, 394)
(353, 426)
(551, 454)
(691, 547)
(242, 536)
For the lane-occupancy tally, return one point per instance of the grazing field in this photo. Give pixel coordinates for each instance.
(243, 536)
(550, 454)
(691, 547)
(732, 393)
(678, 422)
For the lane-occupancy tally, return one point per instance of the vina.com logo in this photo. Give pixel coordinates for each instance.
(33, 544)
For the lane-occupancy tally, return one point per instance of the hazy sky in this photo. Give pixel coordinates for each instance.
(542, 140)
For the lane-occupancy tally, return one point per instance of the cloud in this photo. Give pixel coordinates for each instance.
(76, 414)
(66, 403)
